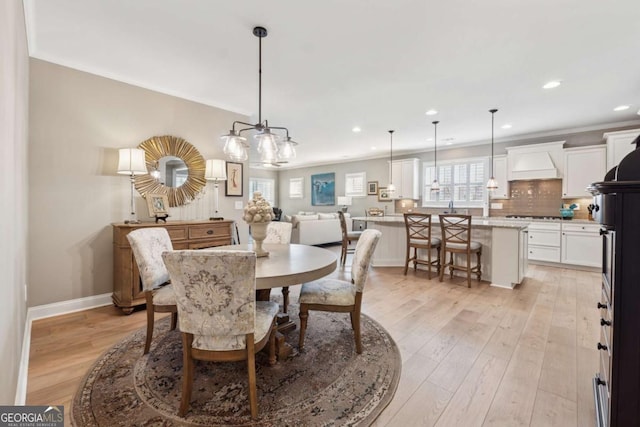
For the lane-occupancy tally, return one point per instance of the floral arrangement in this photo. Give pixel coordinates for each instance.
(257, 210)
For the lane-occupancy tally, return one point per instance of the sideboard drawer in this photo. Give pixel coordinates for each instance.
(209, 231)
(178, 233)
(209, 243)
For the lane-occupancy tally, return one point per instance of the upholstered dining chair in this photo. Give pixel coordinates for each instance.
(336, 295)
(220, 319)
(418, 228)
(280, 233)
(456, 239)
(347, 237)
(147, 245)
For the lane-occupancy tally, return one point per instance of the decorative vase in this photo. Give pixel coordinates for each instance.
(259, 233)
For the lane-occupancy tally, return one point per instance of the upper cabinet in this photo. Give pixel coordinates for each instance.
(583, 166)
(500, 174)
(535, 161)
(619, 145)
(405, 176)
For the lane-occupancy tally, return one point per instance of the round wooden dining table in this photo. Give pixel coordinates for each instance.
(289, 265)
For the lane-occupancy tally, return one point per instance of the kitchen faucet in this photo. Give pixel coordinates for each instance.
(451, 209)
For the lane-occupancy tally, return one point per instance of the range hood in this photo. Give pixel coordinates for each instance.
(536, 161)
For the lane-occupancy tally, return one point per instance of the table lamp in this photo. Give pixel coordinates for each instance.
(131, 162)
(215, 170)
(345, 202)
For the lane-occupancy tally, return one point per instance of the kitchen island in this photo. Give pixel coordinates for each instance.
(504, 246)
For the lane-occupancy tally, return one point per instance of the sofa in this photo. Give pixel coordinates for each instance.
(310, 228)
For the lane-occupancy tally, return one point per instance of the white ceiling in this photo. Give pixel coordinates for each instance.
(331, 65)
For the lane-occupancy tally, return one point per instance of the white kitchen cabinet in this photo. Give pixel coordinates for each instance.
(509, 256)
(405, 176)
(583, 166)
(619, 145)
(581, 245)
(544, 241)
(500, 174)
(535, 161)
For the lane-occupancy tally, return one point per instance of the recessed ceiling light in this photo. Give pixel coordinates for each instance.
(356, 129)
(507, 126)
(431, 112)
(448, 143)
(429, 139)
(551, 84)
(621, 108)
(373, 148)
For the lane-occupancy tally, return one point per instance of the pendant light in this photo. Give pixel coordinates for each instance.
(270, 147)
(391, 188)
(492, 184)
(435, 185)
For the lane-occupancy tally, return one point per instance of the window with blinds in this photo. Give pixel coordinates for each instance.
(461, 181)
(266, 186)
(355, 184)
(295, 188)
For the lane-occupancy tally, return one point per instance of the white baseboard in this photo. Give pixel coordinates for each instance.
(44, 311)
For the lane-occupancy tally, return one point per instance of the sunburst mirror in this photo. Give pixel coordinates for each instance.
(176, 169)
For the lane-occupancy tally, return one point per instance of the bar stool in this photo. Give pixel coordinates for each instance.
(347, 237)
(418, 227)
(456, 239)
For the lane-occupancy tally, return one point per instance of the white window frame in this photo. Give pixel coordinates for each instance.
(257, 182)
(355, 184)
(296, 188)
(427, 180)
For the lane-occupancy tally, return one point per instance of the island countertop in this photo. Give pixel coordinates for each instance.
(476, 221)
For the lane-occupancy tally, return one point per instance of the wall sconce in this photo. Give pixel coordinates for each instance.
(216, 171)
(131, 162)
(345, 202)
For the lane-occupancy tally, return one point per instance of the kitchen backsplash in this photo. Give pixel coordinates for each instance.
(538, 198)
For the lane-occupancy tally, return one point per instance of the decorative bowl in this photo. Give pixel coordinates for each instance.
(566, 213)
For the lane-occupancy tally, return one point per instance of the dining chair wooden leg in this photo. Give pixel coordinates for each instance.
(251, 368)
(285, 298)
(150, 319)
(272, 344)
(187, 374)
(439, 261)
(429, 263)
(174, 320)
(443, 266)
(479, 270)
(304, 315)
(356, 331)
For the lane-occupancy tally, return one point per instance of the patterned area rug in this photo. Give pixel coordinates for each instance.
(326, 384)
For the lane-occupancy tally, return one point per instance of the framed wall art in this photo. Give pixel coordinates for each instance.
(372, 188)
(323, 189)
(158, 204)
(233, 185)
(383, 195)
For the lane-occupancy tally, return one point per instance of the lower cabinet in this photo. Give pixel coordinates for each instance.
(127, 288)
(544, 241)
(581, 245)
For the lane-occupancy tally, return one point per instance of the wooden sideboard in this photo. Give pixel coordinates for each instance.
(127, 288)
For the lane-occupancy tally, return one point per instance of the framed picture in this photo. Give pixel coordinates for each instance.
(158, 204)
(323, 189)
(233, 185)
(295, 188)
(372, 188)
(383, 196)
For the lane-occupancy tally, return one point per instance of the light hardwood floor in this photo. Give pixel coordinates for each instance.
(471, 357)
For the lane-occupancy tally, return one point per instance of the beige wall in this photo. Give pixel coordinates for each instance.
(14, 92)
(77, 123)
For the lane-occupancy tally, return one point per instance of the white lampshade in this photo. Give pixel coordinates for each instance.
(492, 184)
(391, 188)
(344, 200)
(216, 170)
(131, 161)
(435, 185)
